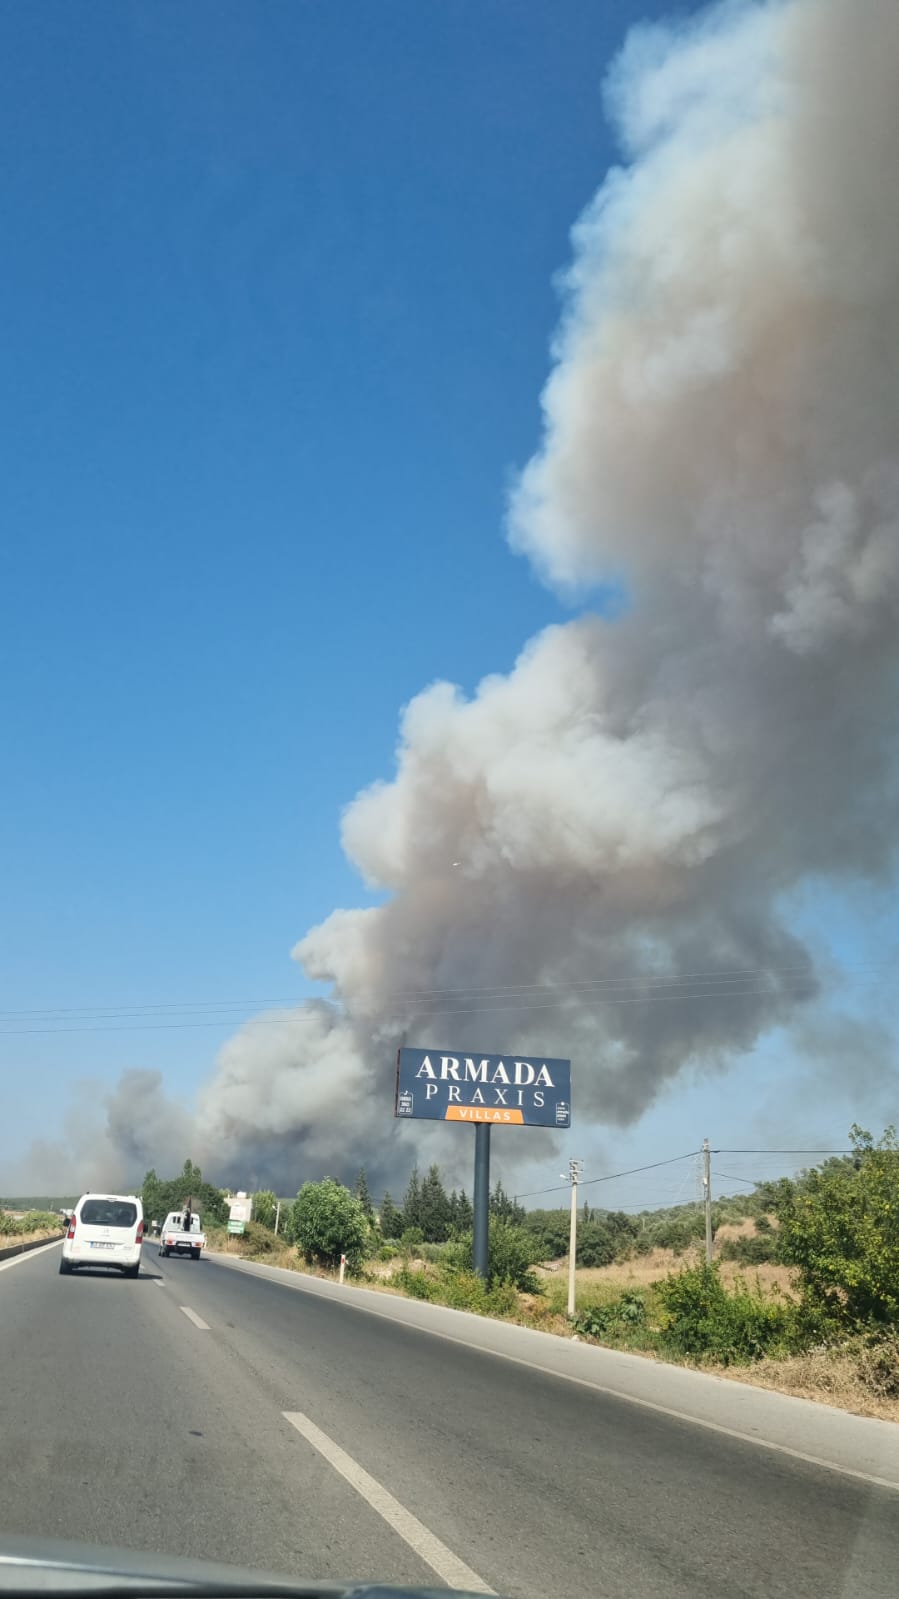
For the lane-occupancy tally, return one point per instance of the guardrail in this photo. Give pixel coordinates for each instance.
(35, 1243)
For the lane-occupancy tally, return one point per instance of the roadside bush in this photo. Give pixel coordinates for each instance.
(460, 1290)
(259, 1240)
(619, 1316)
(841, 1228)
(511, 1255)
(412, 1240)
(415, 1283)
(389, 1250)
(34, 1221)
(433, 1253)
(755, 1250)
(878, 1366)
(703, 1320)
(326, 1221)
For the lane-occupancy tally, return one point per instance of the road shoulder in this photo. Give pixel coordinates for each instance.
(855, 1445)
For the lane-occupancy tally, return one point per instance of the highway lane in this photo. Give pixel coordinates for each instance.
(171, 1436)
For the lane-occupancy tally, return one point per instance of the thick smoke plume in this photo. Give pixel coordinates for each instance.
(593, 853)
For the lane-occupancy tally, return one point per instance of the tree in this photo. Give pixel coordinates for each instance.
(550, 1231)
(504, 1208)
(435, 1216)
(840, 1226)
(390, 1219)
(161, 1196)
(595, 1244)
(265, 1207)
(362, 1193)
(327, 1221)
(622, 1227)
(412, 1201)
(463, 1215)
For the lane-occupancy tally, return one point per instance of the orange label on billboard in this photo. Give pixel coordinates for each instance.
(479, 1113)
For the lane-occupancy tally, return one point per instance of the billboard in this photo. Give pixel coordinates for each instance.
(240, 1206)
(504, 1090)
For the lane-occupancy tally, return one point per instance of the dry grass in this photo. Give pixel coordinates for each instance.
(830, 1377)
(28, 1238)
(644, 1270)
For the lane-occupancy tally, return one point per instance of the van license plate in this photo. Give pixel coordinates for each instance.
(102, 1246)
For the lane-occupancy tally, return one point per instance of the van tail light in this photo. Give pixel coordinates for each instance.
(71, 1231)
(140, 1232)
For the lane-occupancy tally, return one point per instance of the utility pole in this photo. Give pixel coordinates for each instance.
(574, 1173)
(707, 1196)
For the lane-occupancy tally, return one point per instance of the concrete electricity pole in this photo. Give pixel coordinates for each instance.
(707, 1196)
(575, 1168)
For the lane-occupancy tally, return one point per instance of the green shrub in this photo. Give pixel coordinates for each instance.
(265, 1208)
(36, 1221)
(703, 1320)
(841, 1228)
(434, 1253)
(501, 1300)
(619, 1316)
(511, 1254)
(389, 1251)
(412, 1240)
(752, 1251)
(415, 1283)
(327, 1221)
(595, 1245)
(460, 1290)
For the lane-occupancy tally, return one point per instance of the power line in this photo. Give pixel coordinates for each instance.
(610, 1177)
(144, 1027)
(731, 1177)
(643, 980)
(646, 979)
(782, 1151)
(115, 1009)
(464, 1010)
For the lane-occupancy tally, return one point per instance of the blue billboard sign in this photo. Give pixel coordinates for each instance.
(502, 1090)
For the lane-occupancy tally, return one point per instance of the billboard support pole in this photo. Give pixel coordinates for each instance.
(480, 1246)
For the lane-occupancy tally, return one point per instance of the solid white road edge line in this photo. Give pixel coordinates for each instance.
(31, 1255)
(449, 1568)
(159, 1281)
(192, 1316)
(600, 1388)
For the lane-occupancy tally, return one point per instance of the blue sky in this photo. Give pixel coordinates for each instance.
(277, 299)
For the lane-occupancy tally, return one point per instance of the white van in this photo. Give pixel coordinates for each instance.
(105, 1230)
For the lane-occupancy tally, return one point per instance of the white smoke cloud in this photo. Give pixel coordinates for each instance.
(631, 803)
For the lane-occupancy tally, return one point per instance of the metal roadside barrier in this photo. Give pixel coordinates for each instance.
(22, 1249)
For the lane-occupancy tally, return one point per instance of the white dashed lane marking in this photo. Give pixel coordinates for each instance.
(192, 1316)
(449, 1568)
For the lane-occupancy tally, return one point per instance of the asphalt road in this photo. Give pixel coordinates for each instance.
(126, 1421)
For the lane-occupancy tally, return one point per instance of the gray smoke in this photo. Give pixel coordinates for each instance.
(630, 807)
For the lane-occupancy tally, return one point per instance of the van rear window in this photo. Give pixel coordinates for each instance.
(108, 1213)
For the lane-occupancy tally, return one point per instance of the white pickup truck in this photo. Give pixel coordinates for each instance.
(182, 1234)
